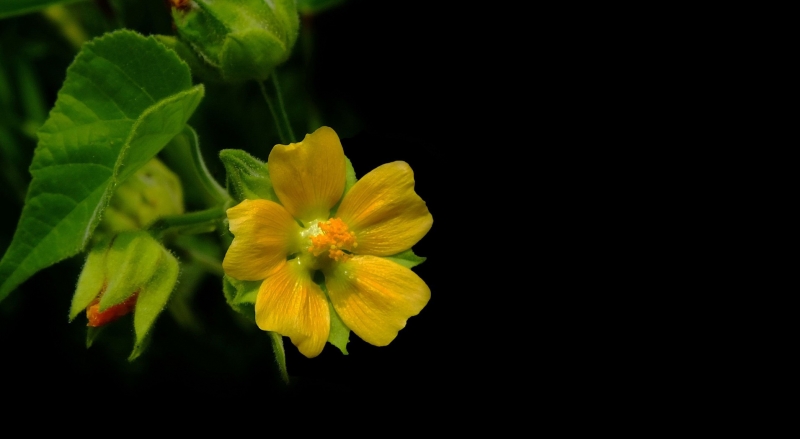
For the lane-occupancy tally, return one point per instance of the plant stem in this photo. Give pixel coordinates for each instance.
(280, 354)
(202, 221)
(272, 94)
(212, 187)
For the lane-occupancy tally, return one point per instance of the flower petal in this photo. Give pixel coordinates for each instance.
(264, 234)
(375, 296)
(309, 176)
(385, 213)
(291, 304)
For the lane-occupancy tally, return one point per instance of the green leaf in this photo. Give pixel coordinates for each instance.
(153, 298)
(10, 8)
(247, 176)
(124, 98)
(340, 333)
(407, 259)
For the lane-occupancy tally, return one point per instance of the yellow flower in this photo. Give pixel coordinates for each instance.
(286, 244)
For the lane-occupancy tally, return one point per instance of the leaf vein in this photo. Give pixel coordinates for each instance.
(125, 74)
(101, 90)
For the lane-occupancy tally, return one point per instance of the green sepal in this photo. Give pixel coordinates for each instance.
(247, 177)
(407, 259)
(244, 39)
(92, 333)
(241, 295)
(153, 298)
(339, 335)
(131, 262)
(91, 280)
(140, 347)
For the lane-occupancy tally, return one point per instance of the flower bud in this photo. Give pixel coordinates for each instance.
(247, 177)
(116, 272)
(130, 272)
(152, 192)
(243, 39)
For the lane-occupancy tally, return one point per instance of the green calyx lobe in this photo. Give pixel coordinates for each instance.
(244, 39)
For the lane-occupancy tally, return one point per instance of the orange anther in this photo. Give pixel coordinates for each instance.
(335, 238)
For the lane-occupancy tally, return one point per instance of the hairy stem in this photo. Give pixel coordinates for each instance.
(271, 91)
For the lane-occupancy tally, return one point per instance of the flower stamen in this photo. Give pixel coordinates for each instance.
(335, 238)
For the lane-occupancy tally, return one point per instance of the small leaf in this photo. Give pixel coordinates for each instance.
(9, 8)
(247, 176)
(407, 259)
(153, 298)
(115, 111)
